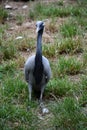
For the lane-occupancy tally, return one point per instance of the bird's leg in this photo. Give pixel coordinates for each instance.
(26, 75)
(41, 95)
(42, 106)
(30, 91)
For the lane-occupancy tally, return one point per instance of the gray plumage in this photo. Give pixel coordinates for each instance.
(37, 68)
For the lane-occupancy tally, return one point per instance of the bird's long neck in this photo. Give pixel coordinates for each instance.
(39, 44)
(38, 70)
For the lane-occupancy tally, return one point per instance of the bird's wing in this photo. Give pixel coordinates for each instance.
(47, 69)
(29, 66)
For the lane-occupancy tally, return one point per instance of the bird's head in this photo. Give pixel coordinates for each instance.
(39, 26)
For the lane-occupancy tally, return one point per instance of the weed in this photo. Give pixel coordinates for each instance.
(16, 117)
(70, 45)
(83, 99)
(68, 115)
(25, 43)
(68, 66)
(60, 3)
(14, 87)
(49, 50)
(76, 11)
(2, 32)
(85, 59)
(82, 3)
(84, 82)
(31, 14)
(20, 62)
(83, 94)
(59, 87)
(36, 11)
(8, 49)
(67, 45)
(52, 26)
(69, 29)
(3, 15)
(20, 19)
(82, 21)
(8, 67)
(13, 105)
(53, 10)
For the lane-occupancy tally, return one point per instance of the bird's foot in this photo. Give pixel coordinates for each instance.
(44, 110)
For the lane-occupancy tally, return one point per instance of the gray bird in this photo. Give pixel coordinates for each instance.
(37, 68)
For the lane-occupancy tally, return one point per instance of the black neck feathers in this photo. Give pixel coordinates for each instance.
(38, 69)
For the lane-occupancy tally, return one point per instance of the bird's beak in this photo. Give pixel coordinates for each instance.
(37, 29)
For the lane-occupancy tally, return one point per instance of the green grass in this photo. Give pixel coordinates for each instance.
(70, 66)
(14, 87)
(83, 94)
(53, 10)
(64, 46)
(3, 15)
(3, 28)
(7, 69)
(70, 29)
(85, 58)
(8, 50)
(49, 50)
(70, 45)
(20, 19)
(82, 3)
(60, 3)
(52, 27)
(25, 43)
(60, 87)
(8, 66)
(68, 115)
(14, 103)
(66, 93)
(82, 21)
(15, 117)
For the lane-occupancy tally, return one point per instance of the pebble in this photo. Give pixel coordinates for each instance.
(24, 7)
(45, 111)
(8, 7)
(19, 37)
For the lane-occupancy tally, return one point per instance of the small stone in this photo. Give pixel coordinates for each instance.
(8, 7)
(45, 111)
(11, 14)
(12, 28)
(28, 50)
(19, 37)
(24, 7)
